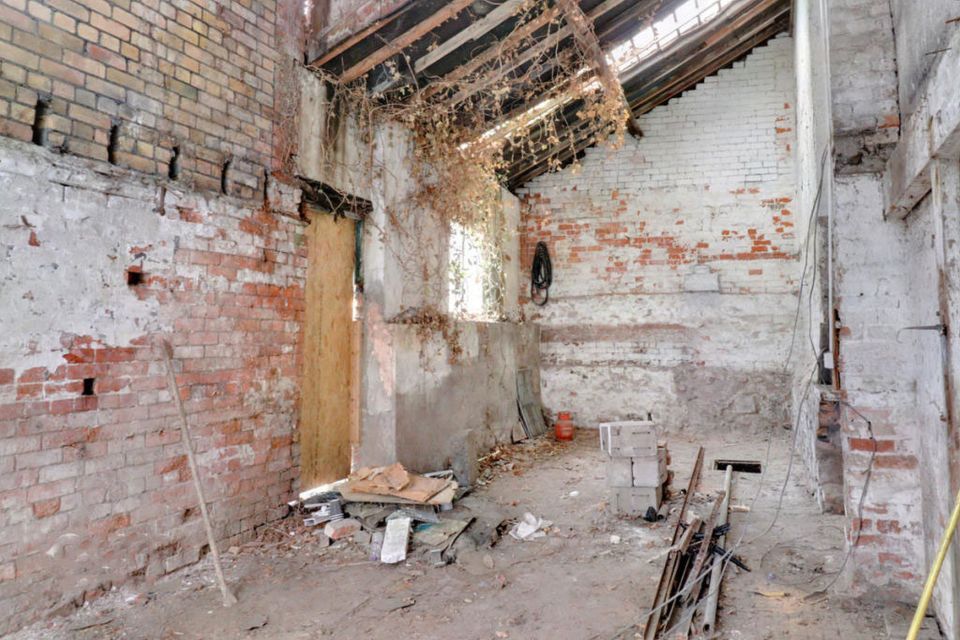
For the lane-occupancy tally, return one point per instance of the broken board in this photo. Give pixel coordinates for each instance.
(530, 412)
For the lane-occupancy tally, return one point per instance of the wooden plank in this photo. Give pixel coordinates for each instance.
(691, 489)
(694, 584)
(474, 31)
(543, 46)
(326, 404)
(391, 49)
(670, 566)
(494, 52)
(668, 578)
(356, 38)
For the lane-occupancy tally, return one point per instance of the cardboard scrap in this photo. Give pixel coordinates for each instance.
(396, 484)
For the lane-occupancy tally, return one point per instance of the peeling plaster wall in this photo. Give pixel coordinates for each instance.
(448, 406)
(95, 489)
(675, 260)
(813, 176)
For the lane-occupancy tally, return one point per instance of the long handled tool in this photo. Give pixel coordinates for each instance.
(228, 598)
(934, 573)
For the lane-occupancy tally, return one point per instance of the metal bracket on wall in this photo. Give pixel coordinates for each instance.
(939, 328)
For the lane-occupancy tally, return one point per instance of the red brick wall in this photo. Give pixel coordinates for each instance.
(95, 490)
(198, 76)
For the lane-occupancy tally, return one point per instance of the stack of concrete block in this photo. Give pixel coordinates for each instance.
(636, 467)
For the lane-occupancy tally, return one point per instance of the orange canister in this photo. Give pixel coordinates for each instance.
(563, 427)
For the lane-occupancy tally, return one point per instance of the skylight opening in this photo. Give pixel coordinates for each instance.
(652, 39)
(689, 16)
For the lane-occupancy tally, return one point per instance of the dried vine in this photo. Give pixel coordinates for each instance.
(502, 105)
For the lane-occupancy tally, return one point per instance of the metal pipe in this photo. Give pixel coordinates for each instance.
(931, 582)
(716, 572)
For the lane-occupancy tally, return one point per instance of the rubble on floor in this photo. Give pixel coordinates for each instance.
(592, 575)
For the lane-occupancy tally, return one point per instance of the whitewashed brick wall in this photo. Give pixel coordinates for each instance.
(675, 259)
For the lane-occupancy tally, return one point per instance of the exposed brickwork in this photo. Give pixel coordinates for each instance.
(863, 81)
(675, 259)
(95, 489)
(197, 76)
(881, 376)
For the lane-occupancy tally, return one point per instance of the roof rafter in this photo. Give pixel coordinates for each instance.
(396, 46)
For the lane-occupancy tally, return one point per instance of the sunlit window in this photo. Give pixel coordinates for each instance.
(469, 267)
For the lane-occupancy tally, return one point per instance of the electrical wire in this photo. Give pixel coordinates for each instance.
(541, 275)
(863, 496)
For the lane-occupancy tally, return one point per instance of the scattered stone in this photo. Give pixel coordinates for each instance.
(362, 537)
(341, 528)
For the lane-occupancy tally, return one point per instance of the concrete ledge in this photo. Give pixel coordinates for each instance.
(930, 132)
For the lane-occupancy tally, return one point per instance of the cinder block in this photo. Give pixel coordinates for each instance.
(628, 439)
(619, 472)
(636, 500)
(650, 471)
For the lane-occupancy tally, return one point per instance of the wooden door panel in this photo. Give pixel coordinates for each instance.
(329, 358)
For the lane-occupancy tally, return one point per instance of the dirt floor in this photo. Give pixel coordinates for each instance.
(591, 577)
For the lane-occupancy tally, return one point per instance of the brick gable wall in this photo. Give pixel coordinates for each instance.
(676, 259)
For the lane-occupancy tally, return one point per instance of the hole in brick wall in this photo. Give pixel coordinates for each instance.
(225, 178)
(740, 466)
(173, 169)
(88, 386)
(188, 513)
(40, 127)
(134, 276)
(112, 144)
(266, 187)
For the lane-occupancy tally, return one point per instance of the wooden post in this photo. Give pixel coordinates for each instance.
(228, 598)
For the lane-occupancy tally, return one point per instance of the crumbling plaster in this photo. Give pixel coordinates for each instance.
(94, 488)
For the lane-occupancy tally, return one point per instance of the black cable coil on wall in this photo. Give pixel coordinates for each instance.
(541, 275)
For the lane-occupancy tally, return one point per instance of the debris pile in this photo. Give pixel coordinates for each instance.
(385, 508)
(687, 595)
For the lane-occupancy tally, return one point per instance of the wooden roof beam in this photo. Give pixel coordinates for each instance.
(476, 30)
(422, 28)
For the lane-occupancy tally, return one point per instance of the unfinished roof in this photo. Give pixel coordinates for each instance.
(653, 49)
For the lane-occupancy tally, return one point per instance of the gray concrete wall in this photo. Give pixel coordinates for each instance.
(448, 404)
(921, 28)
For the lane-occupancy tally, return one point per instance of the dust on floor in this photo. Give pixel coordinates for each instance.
(592, 577)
